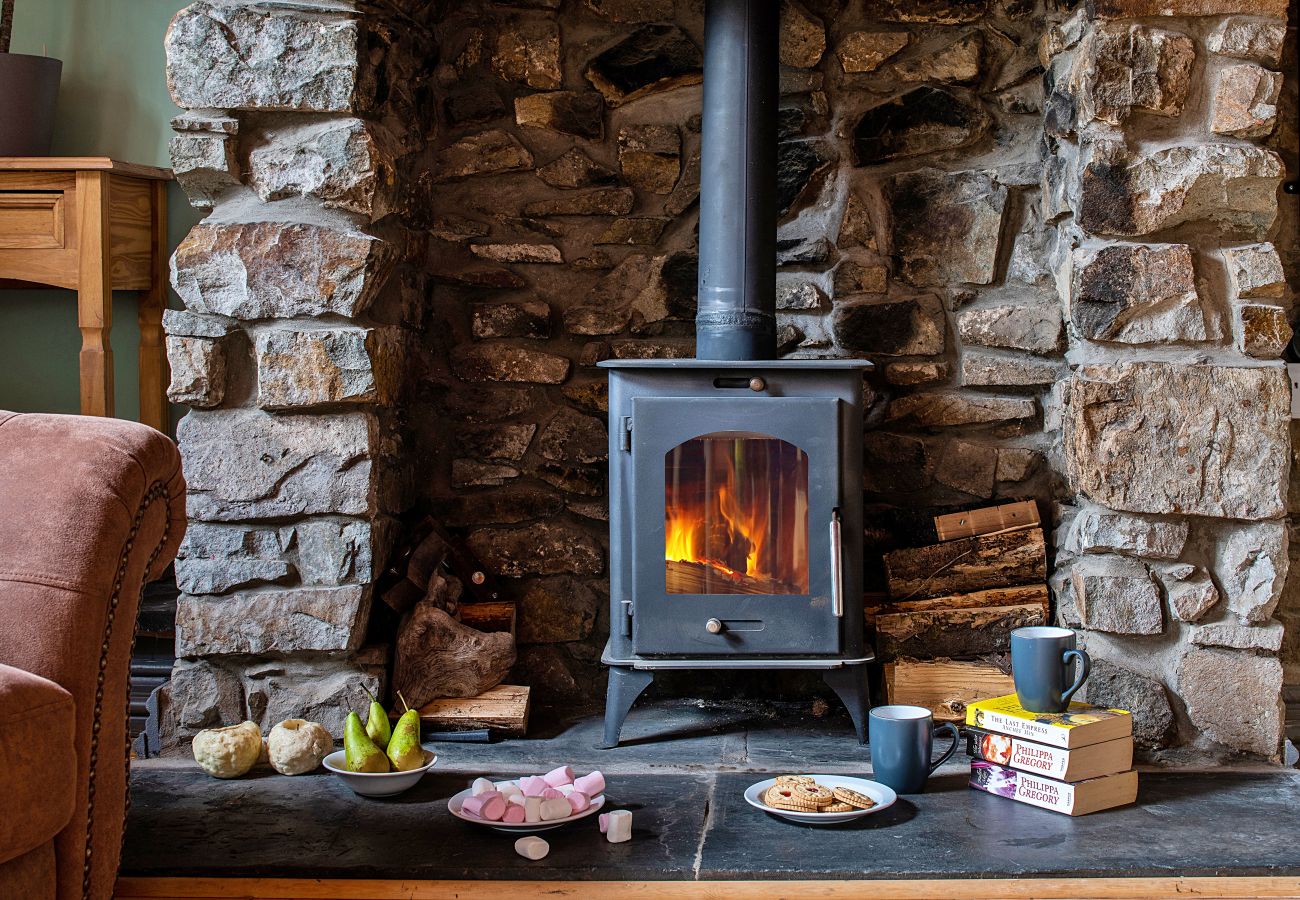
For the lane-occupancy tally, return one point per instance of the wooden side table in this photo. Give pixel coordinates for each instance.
(93, 225)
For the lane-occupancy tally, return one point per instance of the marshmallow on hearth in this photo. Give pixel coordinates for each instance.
(514, 814)
(557, 777)
(481, 786)
(591, 785)
(556, 809)
(488, 805)
(532, 847)
(579, 801)
(533, 785)
(618, 827)
(603, 820)
(532, 809)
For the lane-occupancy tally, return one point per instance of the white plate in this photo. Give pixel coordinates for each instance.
(454, 804)
(882, 794)
(378, 784)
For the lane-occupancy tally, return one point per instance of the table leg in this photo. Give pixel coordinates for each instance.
(154, 374)
(95, 295)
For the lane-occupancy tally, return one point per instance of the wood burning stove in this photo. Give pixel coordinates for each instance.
(736, 478)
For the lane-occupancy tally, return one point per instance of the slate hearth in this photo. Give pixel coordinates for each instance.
(691, 821)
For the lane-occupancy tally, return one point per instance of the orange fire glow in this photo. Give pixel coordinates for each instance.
(738, 508)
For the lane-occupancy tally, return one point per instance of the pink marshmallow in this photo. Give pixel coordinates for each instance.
(603, 818)
(488, 805)
(557, 777)
(591, 785)
(579, 801)
(552, 794)
(533, 785)
(514, 814)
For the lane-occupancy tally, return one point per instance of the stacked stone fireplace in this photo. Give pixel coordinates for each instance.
(1058, 232)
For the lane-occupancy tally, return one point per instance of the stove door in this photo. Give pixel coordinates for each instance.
(735, 503)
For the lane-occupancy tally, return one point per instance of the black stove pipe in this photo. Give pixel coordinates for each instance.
(736, 317)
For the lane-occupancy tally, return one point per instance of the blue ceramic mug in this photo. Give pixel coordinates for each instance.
(1041, 660)
(902, 743)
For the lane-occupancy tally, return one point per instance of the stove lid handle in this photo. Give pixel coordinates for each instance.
(837, 566)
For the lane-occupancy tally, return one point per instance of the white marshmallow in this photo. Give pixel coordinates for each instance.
(532, 809)
(532, 847)
(566, 789)
(481, 786)
(557, 808)
(509, 787)
(618, 826)
(515, 799)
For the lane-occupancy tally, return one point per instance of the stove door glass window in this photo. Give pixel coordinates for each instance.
(737, 516)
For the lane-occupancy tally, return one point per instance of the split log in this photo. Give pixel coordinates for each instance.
(954, 632)
(439, 657)
(503, 708)
(498, 615)
(945, 686)
(1029, 593)
(990, 519)
(966, 565)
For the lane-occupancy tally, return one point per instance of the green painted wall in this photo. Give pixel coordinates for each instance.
(113, 101)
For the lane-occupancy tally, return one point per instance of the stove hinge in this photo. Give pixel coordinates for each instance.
(626, 618)
(625, 434)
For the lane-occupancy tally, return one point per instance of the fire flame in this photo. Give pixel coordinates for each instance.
(736, 506)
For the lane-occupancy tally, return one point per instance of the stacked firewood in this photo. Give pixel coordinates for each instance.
(944, 632)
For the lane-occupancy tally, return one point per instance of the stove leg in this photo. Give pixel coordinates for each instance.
(625, 685)
(852, 684)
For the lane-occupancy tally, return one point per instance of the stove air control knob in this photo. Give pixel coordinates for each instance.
(757, 384)
(714, 626)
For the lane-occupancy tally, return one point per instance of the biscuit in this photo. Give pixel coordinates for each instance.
(853, 798)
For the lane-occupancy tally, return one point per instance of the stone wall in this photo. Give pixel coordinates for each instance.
(1050, 230)
(305, 126)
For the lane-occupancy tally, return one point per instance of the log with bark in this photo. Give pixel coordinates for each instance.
(503, 708)
(966, 565)
(954, 632)
(988, 520)
(439, 657)
(1009, 596)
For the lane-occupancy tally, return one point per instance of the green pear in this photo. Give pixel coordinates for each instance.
(404, 749)
(377, 724)
(359, 750)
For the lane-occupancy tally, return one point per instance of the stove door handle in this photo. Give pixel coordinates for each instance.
(837, 566)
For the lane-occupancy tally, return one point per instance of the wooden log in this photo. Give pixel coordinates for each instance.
(990, 519)
(966, 565)
(1029, 593)
(439, 657)
(954, 632)
(503, 708)
(945, 686)
(497, 615)
(685, 577)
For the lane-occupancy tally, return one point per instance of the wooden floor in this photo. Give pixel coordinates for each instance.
(966, 889)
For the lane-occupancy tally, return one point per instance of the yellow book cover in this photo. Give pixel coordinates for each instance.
(1078, 726)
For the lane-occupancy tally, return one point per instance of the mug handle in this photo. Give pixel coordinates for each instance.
(956, 737)
(1085, 665)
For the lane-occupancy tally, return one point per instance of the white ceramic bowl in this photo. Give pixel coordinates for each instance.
(881, 793)
(378, 784)
(454, 807)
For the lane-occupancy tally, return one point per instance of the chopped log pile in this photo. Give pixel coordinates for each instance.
(945, 629)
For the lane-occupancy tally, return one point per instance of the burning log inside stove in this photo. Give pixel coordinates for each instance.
(686, 577)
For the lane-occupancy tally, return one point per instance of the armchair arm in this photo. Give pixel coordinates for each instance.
(90, 509)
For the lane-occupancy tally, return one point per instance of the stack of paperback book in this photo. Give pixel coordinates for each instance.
(1076, 762)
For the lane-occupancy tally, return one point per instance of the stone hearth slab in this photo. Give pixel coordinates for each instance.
(691, 819)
